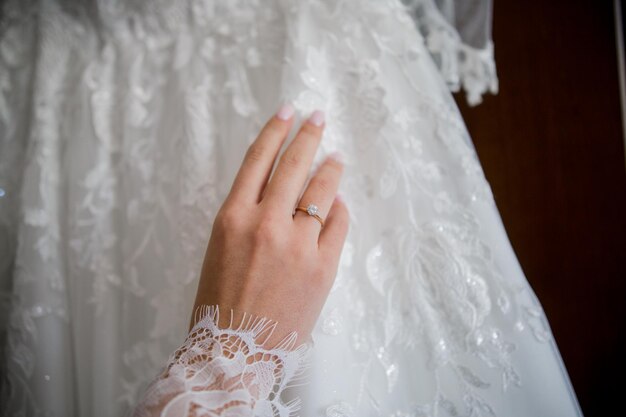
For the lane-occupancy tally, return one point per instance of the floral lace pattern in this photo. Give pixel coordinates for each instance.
(461, 65)
(122, 125)
(225, 371)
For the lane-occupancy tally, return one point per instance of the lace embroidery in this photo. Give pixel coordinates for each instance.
(226, 371)
(169, 97)
(424, 274)
(461, 65)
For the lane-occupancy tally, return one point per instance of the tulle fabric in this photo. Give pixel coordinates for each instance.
(122, 125)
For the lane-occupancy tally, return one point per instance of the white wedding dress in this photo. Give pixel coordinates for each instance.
(122, 125)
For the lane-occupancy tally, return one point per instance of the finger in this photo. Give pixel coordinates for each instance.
(259, 159)
(320, 191)
(293, 166)
(333, 235)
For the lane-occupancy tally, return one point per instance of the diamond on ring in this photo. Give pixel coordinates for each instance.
(312, 209)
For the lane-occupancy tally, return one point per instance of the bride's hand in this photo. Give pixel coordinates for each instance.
(261, 258)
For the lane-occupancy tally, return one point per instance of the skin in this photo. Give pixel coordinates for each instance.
(264, 260)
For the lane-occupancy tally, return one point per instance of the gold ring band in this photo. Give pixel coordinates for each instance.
(312, 211)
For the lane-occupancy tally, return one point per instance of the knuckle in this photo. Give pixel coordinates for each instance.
(334, 165)
(309, 129)
(274, 128)
(324, 185)
(296, 253)
(301, 253)
(291, 159)
(320, 271)
(228, 220)
(321, 277)
(267, 232)
(255, 152)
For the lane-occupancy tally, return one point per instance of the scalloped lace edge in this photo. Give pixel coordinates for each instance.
(227, 370)
(461, 65)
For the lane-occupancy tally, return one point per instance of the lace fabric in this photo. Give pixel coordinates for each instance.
(458, 35)
(122, 126)
(227, 371)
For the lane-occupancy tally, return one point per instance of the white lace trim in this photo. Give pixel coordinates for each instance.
(227, 371)
(461, 65)
(134, 128)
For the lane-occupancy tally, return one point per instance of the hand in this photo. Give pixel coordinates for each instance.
(261, 258)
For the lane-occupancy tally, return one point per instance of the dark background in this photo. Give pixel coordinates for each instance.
(552, 148)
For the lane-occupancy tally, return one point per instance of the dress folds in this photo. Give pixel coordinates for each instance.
(122, 125)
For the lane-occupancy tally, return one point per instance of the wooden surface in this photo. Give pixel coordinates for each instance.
(552, 149)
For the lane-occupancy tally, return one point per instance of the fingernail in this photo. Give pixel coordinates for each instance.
(285, 112)
(337, 156)
(340, 198)
(317, 118)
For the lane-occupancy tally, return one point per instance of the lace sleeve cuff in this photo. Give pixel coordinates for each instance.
(458, 37)
(227, 372)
